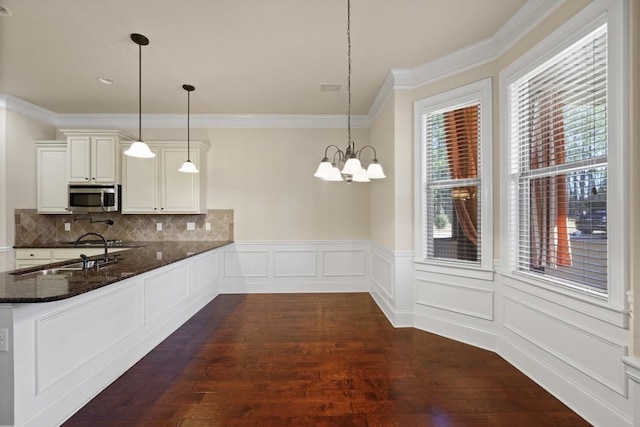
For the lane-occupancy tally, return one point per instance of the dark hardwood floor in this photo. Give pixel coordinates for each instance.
(317, 360)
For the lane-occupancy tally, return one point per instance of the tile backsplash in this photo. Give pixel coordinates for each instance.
(35, 229)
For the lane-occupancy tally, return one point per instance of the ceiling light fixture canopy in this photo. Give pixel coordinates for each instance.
(139, 148)
(349, 159)
(188, 166)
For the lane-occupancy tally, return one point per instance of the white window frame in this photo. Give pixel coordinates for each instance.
(585, 22)
(479, 92)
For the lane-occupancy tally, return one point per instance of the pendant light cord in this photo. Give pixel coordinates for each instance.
(188, 125)
(349, 70)
(140, 92)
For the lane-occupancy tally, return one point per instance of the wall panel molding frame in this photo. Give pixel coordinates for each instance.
(392, 284)
(295, 266)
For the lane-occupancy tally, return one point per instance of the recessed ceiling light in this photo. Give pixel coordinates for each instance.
(330, 87)
(105, 80)
(4, 11)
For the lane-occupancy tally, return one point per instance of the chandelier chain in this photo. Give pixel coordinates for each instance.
(349, 70)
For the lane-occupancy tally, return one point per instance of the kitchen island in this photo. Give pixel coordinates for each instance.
(28, 286)
(63, 340)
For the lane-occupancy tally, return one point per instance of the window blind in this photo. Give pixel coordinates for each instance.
(452, 176)
(559, 128)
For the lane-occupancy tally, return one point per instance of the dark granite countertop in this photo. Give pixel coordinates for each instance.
(140, 258)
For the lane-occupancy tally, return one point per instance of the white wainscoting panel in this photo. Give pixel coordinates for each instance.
(165, 290)
(382, 273)
(561, 345)
(296, 266)
(456, 305)
(393, 284)
(204, 272)
(244, 263)
(67, 339)
(343, 262)
(67, 351)
(457, 298)
(595, 357)
(295, 263)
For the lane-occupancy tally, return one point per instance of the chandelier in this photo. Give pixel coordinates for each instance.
(349, 158)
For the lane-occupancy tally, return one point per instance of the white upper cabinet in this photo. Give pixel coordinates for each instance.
(51, 187)
(155, 185)
(93, 156)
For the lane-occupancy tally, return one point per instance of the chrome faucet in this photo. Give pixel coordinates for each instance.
(106, 254)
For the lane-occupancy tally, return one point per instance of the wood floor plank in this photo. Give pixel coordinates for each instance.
(317, 360)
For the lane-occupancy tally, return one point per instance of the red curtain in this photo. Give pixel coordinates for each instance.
(461, 129)
(549, 202)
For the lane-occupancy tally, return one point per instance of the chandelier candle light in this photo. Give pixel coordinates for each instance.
(349, 159)
(188, 166)
(139, 148)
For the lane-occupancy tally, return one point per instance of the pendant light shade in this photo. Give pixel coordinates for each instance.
(139, 148)
(188, 166)
(324, 169)
(374, 171)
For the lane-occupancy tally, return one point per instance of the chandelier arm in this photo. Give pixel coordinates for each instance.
(375, 155)
(326, 150)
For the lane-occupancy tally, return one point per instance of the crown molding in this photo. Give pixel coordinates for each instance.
(527, 17)
(28, 109)
(485, 51)
(168, 121)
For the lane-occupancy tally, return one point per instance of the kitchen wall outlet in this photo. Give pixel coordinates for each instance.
(158, 255)
(191, 226)
(207, 226)
(67, 226)
(158, 226)
(4, 339)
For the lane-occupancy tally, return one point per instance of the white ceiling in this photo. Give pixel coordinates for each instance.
(243, 56)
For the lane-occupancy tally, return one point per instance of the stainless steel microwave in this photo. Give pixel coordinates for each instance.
(94, 198)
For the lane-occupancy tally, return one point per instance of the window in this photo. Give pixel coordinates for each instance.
(453, 139)
(559, 166)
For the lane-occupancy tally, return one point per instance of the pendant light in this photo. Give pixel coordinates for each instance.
(349, 159)
(187, 166)
(139, 148)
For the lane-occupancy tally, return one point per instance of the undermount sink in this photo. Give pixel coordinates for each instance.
(68, 268)
(95, 242)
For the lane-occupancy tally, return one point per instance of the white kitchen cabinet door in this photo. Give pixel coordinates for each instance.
(93, 155)
(79, 155)
(140, 185)
(51, 187)
(179, 190)
(156, 186)
(104, 159)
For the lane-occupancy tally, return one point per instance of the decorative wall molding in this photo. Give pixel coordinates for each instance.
(595, 357)
(457, 298)
(295, 266)
(30, 110)
(65, 352)
(482, 52)
(526, 18)
(206, 121)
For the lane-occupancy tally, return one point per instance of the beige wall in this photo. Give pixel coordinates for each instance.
(20, 191)
(403, 154)
(381, 211)
(266, 177)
